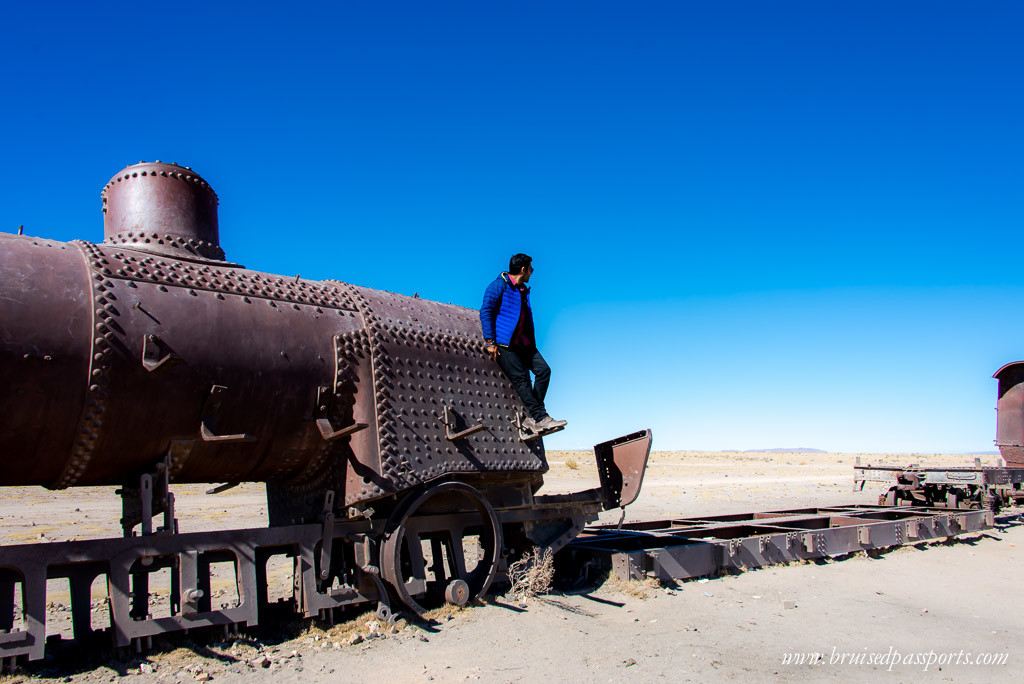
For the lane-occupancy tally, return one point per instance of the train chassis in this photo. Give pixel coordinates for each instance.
(447, 541)
(962, 487)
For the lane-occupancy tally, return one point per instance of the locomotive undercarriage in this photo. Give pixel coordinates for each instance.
(447, 541)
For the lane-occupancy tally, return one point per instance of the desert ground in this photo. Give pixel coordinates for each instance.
(949, 609)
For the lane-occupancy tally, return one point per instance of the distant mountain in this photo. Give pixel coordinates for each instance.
(797, 450)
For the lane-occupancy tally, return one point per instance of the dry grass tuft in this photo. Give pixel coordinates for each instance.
(447, 611)
(641, 589)
(532, 574)
(343, 631)
(571, 464)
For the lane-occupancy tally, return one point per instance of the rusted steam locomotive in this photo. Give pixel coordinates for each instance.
(390, 444)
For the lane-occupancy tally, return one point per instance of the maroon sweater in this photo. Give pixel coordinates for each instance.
(522, 337)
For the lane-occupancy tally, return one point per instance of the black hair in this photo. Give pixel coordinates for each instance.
(517, 263)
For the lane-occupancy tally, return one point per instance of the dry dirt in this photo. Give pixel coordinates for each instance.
(937, 602)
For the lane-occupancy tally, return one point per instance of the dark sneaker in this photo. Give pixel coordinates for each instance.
(549, 423)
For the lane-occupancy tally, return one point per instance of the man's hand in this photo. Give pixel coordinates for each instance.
(492, 349)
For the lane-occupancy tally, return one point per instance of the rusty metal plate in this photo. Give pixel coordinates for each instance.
(621, 464)
(46, 360)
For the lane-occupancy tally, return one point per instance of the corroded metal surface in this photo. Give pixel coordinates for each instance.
(621, 464)
(1010, 413)
(46, 358)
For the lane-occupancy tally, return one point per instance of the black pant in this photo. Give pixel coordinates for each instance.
(517, 364)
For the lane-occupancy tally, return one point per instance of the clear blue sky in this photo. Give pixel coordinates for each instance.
(754, 224)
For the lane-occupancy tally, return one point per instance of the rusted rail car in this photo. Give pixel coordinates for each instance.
(393, 449)
(965, 487)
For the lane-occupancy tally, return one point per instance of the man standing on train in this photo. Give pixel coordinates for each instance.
(507, 322)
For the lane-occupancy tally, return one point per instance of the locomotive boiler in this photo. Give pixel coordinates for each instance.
(386, 436)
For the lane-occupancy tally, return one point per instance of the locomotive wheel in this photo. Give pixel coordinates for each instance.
(441, 522)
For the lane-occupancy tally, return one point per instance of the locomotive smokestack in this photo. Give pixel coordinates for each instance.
(162, 208)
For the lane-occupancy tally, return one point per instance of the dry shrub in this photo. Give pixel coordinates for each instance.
(532, 574)
(571, 464)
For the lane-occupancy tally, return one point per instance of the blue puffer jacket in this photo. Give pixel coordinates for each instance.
(499, 312)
